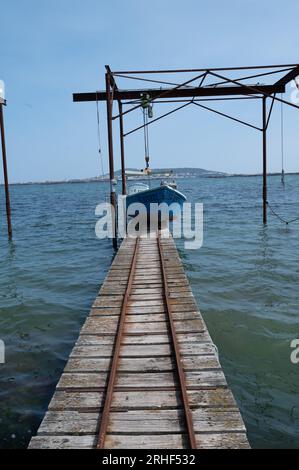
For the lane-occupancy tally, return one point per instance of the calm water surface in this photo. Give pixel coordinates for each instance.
(245, 279)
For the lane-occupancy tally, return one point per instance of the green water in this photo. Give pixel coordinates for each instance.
(245, 279)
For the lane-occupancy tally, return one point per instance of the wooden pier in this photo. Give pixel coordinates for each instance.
(144, 373)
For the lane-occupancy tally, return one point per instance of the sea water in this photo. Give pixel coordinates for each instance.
(245, 279)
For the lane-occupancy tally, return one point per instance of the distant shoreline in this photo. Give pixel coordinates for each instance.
(106, 180)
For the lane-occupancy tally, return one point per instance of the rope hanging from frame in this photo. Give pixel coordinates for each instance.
(278, 216)
(99, 137)
(282, 144)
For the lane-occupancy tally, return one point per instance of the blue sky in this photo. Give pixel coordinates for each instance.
(50, 49)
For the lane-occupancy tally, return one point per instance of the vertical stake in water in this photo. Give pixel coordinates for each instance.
(264, 160)
(5, 173)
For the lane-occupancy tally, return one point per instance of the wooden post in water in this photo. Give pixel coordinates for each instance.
(264, 160)
(5, 173)
(109, 99)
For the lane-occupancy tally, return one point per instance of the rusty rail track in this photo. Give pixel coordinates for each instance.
(177, 353)
(115, 361)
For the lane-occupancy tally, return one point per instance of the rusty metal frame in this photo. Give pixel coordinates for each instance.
(177, 353)
(189, 94)
(116, 353)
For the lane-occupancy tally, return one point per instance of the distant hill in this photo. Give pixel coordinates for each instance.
(183, 172)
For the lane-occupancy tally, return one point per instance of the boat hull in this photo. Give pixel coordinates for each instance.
(162, 194)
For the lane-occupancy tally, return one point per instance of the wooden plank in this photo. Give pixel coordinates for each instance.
(99, 350)
(171, 421)
(145, 339)
(158, 317)
(166, 441)
(105, 312)
(93, 401)
(142, 421)
(96, 381)
(144, 364)
(148, 303)
(146, 328)
(176, 441)
(146, 309)
(63, 442)
(108, 301)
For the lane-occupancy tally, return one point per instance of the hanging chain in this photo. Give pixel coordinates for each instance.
(287, 222)
(147, 112)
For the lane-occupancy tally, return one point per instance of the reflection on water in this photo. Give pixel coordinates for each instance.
(245, 279)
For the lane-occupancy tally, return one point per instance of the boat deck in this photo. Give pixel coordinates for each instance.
(144, 372)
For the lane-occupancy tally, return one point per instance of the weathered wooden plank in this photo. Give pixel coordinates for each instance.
(148, 303)
(95, 312)
(151, 296)
(166, 441)
(144, 364)
(69, 381)
(95, 340)
(146, 399)
(69, 422)
(111, 290)
(146, 309)
(63, 442)
(99, 350)
(189, 325)
(150, 317)
(108, 301)
(153, 380)
(147, 328)
(177, 441)
(204, 420)
(184, 307)
(100, 325)
(144, 339)
(142, 421)
(147, 289)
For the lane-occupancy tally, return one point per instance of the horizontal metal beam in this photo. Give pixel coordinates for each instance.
(251, 67)
(181, 92)
(186, 100)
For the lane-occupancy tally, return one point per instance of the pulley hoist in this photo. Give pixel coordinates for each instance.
(147, 109)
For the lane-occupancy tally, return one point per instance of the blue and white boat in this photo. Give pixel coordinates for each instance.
(165, 193)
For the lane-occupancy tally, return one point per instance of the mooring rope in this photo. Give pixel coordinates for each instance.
(287, 222)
